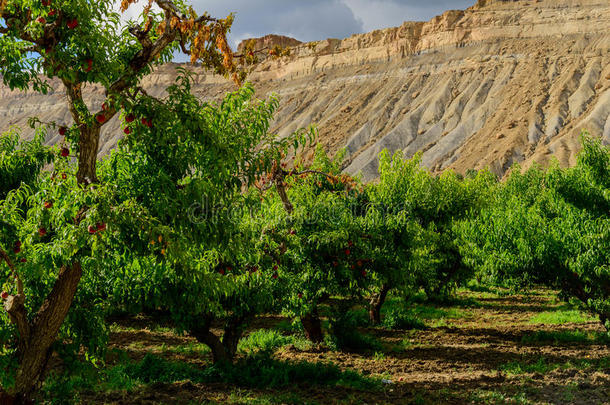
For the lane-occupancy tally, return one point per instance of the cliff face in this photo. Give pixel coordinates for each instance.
(269, 41)
(501, 82)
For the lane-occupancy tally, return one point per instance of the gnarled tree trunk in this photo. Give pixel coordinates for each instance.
(575, 286)
(376, 302)
(88, 144)
(223, 351)
(37, 337)
(312, 326)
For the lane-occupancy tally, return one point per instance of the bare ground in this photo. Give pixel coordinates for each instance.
(477, 357)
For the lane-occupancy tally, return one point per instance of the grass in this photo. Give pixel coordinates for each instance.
(517, 368)
(261, 377)
(269, 340)
(495, 397)
(561, 317)
(188, 349)
(257, 371)
(398, 314)
(568, 336)
(345, 336)
(402, 319)
(544, 365)
(245, 397)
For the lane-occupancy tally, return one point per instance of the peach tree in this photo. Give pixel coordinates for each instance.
(193, 257)
(549, 227)
(311, 239)
(410, 218)
(80, 43)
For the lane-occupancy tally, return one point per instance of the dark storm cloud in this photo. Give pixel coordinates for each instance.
(304, 20)
(311, 20)
(377, 14)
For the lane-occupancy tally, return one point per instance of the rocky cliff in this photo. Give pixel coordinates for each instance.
(498, 83)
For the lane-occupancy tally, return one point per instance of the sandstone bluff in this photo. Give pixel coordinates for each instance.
(498, 83)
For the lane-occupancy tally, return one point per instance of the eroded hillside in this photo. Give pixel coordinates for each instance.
(501, 82)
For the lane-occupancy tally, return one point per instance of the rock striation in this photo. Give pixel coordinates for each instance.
(504, 81)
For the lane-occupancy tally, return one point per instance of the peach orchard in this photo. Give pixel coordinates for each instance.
(81, 238)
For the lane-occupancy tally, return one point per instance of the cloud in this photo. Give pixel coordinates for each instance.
(376, 14)
(313, 20)
(304, 20)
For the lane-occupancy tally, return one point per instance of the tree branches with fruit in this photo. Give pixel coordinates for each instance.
(60, 221)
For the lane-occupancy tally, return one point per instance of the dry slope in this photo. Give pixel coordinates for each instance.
(501, 82)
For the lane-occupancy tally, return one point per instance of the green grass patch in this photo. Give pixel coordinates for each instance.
(188, 349)
(269, 340)
(257, 371)
(516, 368)
(246, 397)
(483, 290)
(401, 319)
(543, 365)
(568, 336)
(496, 397)
(423, 311)
(561, 317)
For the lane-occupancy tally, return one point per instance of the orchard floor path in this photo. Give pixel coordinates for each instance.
(486, 347)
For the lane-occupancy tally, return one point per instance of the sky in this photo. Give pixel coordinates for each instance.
(314, 20)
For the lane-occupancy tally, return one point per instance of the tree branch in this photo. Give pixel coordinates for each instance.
(14, 273)
(294, 173)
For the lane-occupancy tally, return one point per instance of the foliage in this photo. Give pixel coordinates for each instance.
(21, 161)
(549, 227)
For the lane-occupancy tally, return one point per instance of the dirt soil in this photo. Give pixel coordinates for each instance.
(457, 360)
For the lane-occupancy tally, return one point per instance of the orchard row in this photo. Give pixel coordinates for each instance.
(140, 251)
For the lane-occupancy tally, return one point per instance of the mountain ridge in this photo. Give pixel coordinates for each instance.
(498, 83)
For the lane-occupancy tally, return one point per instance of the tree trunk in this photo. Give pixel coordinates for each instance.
(223, 351)
(202, 333)
(281, 191)
(37, 337)
(313, 327)
(88, 144)
(376, 303)
(234, 329)
(577, 289)
(604, 318)
(6, 399)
